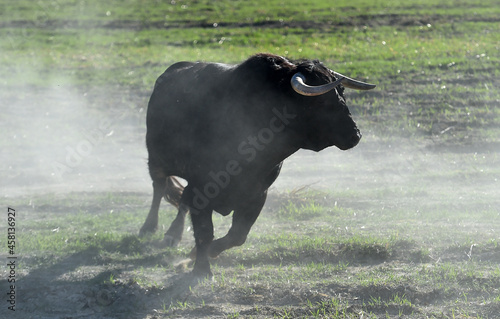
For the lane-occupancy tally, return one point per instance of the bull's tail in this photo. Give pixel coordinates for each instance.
(173, 191)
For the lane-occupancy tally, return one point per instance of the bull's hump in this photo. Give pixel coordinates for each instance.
(223, 66)
(200, 66)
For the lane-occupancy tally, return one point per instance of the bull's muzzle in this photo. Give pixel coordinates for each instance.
(350, 141)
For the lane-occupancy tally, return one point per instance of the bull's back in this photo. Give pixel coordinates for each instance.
(171, 71)
(188, 85)
(185, 98)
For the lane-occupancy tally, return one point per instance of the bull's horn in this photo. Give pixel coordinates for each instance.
(299, 85)
(354, 84)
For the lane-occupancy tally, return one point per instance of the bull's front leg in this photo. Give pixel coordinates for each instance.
(243, 220)
(203, 235)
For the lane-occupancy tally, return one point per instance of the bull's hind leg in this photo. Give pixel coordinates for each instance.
(243, 220)
(151, 223)
(174, 233)
(203, 229)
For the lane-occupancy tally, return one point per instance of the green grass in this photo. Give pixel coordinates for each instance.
(386, 269)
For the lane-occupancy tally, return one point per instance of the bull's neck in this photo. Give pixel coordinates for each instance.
(272, 141)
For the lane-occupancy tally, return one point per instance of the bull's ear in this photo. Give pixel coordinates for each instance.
(281, 63)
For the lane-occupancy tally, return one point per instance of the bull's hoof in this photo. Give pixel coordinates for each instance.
(170, 241)
(201, 268)
(147, 230)
(202, 274)
(173, 235)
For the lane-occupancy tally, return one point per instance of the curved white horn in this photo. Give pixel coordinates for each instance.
(299, 85)
(353, 84)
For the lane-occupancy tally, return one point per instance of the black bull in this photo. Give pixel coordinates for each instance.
(226, 130)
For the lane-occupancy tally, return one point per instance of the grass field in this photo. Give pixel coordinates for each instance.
(405, 225)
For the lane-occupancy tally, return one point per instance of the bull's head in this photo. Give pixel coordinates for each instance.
(327, 119)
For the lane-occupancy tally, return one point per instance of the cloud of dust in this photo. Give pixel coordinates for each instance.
(61, 141)
(62, 137)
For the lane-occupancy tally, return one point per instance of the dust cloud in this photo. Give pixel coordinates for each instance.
(66, 139)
